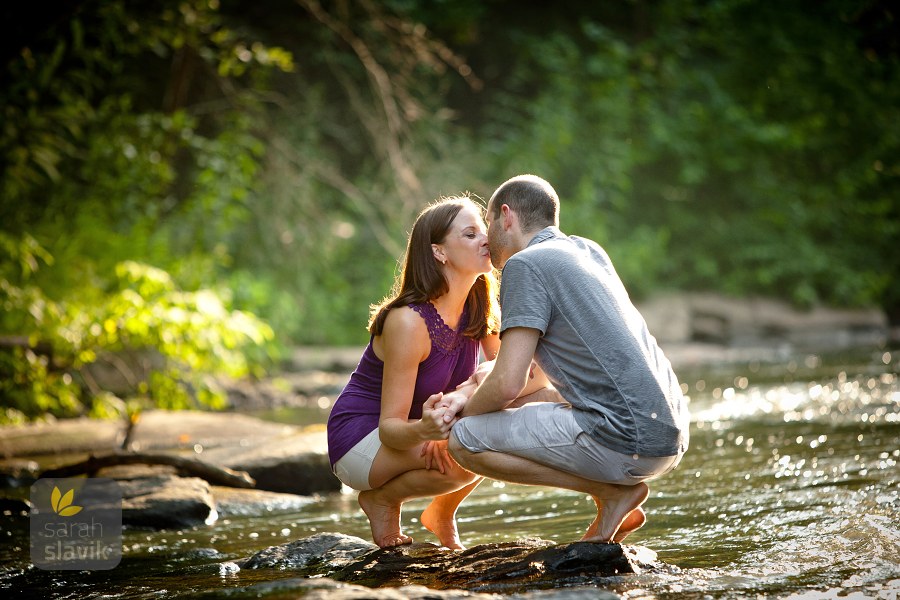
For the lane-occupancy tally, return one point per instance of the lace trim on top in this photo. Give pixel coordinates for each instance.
(442, 337)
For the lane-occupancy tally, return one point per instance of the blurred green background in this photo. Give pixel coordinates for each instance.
(217, 180)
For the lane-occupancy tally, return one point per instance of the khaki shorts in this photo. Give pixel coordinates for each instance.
(547, 433)
(353, 468)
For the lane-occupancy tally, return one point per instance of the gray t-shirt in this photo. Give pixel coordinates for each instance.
(595, 347)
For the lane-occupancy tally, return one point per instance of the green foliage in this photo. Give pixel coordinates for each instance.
(189, 336)
(718, 145)
(106, 183)
(268, 159)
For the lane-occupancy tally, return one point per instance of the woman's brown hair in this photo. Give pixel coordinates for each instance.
(421, 279)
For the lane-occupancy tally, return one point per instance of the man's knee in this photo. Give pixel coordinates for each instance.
(457, 450)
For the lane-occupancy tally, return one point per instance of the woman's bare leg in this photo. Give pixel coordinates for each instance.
(402, 477)
(634, 521)
(384, 519)
(439, 517)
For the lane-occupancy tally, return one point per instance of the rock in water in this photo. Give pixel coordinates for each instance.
(167, 502)
(499, 568)
(320, 553)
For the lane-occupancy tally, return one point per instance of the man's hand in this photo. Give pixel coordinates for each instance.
(433, 425)
(453, 403)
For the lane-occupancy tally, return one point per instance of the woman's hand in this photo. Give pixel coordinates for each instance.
(478, 376)
(437, 455)
(433, 425)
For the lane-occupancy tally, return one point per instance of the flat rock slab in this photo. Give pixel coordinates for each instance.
(155, 497)
(281, 458)
(167, 502)
(294, 464)
(156, 430)
(159, 429)
(488, 568)
(65, 436)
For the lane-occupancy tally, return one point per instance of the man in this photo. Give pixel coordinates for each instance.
(608, 412)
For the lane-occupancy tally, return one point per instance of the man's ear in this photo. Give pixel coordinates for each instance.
(509, 217)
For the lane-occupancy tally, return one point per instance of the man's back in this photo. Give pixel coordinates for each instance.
(595, 346)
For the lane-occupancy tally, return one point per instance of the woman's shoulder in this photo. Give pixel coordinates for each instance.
(404, 335)
(404, 323)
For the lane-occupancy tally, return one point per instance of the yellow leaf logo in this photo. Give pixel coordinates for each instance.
(62, 503)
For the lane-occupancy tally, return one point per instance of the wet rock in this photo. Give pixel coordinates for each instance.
(228, 569)
(294, 464)
(18, 473)
(14, 507)
(320, 552)
(167, 502)
(508, 567)
(232, 502)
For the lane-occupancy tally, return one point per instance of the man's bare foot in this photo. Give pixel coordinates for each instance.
(442, 526)
(634, 521)
(384, 518)
(615, 511)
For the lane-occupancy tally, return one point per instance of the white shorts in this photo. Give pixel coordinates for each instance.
(353, 468)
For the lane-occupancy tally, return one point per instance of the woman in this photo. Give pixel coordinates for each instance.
(387, 428)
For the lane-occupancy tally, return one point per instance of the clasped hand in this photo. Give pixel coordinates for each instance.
(439, 414)
(438, 417)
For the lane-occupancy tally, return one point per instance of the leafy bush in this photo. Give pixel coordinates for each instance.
(192, 336)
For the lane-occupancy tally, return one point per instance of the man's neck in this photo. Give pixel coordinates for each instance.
(526, 237)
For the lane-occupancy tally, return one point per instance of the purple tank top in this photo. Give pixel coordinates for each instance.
(355, 413)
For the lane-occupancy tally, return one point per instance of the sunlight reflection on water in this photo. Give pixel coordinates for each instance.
(789, 490)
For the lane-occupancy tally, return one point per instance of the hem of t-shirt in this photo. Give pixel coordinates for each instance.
(529, 323)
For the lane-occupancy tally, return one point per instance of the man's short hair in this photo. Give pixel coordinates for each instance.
(533, 200)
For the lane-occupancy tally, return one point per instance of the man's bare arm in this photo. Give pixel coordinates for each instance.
(510, 375)
(546, 394)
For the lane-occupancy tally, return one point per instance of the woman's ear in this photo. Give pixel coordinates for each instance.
(438, 253)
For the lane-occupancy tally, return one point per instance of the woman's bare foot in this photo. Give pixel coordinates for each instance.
(634, 521)
(384, 518)
(615, 510)
(437, 522)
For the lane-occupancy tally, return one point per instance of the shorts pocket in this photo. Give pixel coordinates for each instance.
(637, 471)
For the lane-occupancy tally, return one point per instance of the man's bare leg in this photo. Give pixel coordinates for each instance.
(617, 500)
(439, 517)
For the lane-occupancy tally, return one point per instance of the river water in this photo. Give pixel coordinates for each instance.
(789, 490)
